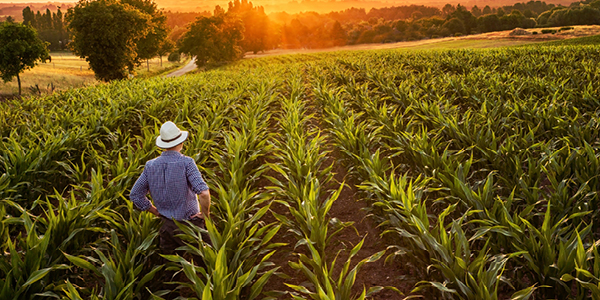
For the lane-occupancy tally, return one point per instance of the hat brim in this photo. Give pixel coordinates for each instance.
(171, 144)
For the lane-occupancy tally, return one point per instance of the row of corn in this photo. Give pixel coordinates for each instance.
(302, 182)
(68, 161)
(481, 167)
(484, 172)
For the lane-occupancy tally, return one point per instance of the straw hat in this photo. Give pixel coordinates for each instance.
(170, 136)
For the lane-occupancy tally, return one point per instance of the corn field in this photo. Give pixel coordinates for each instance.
(480, 168)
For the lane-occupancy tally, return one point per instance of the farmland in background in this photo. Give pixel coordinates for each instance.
(480, 167)
(66, 71)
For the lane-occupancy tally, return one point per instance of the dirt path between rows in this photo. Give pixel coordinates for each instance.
(349, 207)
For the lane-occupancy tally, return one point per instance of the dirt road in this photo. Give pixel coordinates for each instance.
(187, 68)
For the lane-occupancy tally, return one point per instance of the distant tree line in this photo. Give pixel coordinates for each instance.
(415, 22)
(50, 27)
(116, 35)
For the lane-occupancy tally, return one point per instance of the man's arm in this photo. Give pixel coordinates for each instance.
(138, 195)
(199, 187)
(205, 203)
(154, 211)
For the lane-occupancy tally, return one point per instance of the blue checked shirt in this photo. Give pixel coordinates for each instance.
(173, 181)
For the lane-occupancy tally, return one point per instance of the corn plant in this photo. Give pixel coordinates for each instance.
(122, 269)
(25, 267)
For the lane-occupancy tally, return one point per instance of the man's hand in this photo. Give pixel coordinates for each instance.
(198, 215)
(153, 210)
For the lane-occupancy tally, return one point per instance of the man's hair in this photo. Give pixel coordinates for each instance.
(174, 147)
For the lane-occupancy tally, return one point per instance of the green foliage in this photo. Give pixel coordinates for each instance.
(213, 39)
(480, 167)
(150, 44)
(459, 147)
(174, 56)
(105, 33)
(20, 49)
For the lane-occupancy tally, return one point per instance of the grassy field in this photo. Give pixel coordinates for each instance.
(66, 70)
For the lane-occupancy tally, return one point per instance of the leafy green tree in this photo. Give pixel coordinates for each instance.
(448, 9)
(213, 39)
(28, 17)
(105, 32)
(487, 10)
(455, 25)
(149, 45)
(166, 47)
(20, 49)
(466, 17)
(476, 11)
(488, 23)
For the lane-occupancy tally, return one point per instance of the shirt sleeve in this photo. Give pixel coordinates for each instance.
(195, 178)
(139, 191)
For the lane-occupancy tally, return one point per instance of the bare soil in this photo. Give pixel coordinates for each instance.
(351, 208)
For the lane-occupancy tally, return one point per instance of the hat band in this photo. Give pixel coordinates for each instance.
(168, 141)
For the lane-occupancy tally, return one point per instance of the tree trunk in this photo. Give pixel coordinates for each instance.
(19, 81)
(148, 65)
(161, 61)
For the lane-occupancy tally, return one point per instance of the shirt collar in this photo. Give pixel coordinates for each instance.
(170, 153)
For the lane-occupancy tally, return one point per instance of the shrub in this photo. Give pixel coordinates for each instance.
(535, 32)
(175, 56)
(546, 31)
(566, 28)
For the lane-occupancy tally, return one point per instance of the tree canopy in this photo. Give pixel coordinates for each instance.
(114, 36)
(149, 45)
(20, 49)
(213, 39)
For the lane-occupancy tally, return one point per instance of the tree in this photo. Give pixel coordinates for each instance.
(213, 39)
(455, 25)
(149, 45)
(465, 16)
(105, 33)
(256, 24)
(487, 10)
(28, 17)
(20, 49)
(338, 35)
(448, 9)
(166, 47)
(476, 11)
(488, 23)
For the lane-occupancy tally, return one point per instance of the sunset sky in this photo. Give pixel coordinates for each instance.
(299, 6)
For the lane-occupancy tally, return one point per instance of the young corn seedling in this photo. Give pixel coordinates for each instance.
(123, 267)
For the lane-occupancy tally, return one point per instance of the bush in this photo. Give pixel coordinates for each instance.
(545, 31)
(458, 34)
(566, 28)
(535, 32)
(175, 56)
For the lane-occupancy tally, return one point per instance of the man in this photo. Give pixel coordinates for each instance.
(173, 181)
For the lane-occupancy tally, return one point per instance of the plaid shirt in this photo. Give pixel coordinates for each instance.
(173, 181)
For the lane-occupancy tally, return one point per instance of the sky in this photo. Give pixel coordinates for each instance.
(295, 6)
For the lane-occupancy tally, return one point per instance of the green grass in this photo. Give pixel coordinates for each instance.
(469, 44)
(66, 71)
(582, 41)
